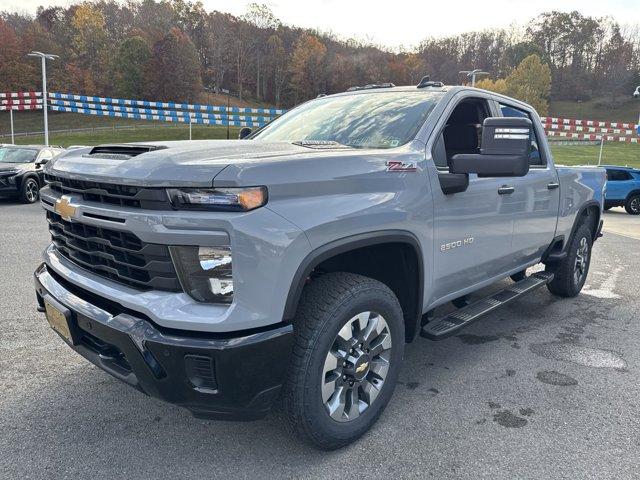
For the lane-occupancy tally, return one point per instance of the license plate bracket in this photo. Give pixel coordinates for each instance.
(59, 319)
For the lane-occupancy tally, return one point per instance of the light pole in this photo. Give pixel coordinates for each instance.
(227, 92)
(636, 95)
(44, 57)
(472, 75)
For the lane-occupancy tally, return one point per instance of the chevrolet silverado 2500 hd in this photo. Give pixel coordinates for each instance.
(296, 263)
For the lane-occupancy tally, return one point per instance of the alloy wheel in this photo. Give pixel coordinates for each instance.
(31, 191)
(582, 261)
(356, 366)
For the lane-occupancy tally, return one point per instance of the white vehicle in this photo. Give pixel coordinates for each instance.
(636, 94)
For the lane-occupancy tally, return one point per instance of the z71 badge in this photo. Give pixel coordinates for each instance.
(398, 166)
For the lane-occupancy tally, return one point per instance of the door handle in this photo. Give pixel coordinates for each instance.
(506, 190)
(553, 185)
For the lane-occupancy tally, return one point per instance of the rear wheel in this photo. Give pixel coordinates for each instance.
(349, 343)
(571, 273)
(30, 190)
(633, 205)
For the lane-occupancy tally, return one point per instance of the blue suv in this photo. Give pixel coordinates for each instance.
(623, 189)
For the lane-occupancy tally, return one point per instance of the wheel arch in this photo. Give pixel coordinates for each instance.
(631, 194)
(590, 212)
(27, 175)
(346, 250)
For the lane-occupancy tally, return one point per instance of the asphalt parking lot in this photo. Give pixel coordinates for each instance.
(545, 388)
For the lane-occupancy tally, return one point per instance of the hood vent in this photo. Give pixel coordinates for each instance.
(122, 151)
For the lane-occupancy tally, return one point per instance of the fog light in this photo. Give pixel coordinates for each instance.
(205, 273)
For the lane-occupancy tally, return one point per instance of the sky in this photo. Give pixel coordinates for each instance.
(399, 23)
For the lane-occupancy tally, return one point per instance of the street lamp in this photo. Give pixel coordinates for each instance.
(44, 57)
(636, 94)
(472, 75)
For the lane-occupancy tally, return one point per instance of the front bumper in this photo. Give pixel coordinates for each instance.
(9, 186)
(216, 376)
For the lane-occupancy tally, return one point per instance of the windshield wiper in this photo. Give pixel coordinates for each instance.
(320, 144)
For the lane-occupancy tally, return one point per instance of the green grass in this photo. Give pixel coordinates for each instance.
(602, 109)
(162, 132)
(27, 122)
(613, 153)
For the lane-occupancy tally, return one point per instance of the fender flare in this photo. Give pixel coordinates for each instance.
(24, 177)
(344, 245)
(576, 222)
(631, 194)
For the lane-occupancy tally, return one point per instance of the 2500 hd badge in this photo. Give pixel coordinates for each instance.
(459, 243)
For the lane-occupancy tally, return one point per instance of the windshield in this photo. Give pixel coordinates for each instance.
(364, 120)
(17, 155)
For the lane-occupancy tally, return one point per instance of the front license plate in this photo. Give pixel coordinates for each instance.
(58, 321)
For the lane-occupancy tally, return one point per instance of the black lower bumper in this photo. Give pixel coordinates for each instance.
(214, 376)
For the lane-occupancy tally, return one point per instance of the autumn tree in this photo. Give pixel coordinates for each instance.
(129, 67)
(531, 83)
(306, 67)
(277, 62)
(173, 71)
(10, 74)
(498, 86)
(89, 41)
(261, 17)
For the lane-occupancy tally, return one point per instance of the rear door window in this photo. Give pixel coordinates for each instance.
(614, 175)
(535, 157)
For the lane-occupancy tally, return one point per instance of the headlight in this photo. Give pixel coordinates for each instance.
(232, 199)
(205, 273)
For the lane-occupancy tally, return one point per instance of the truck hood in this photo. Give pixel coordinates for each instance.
(180, 163)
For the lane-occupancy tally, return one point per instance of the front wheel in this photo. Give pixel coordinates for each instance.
(29, 191)
(571, 273)
(632, 206)
(349, 343)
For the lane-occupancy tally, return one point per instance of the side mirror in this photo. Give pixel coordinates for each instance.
(42, 162)
(506, 144)
(244, 133)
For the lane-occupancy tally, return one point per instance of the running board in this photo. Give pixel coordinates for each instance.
(444, 327)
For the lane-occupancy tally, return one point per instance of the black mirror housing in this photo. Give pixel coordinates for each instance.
(244, 133)
(506, 143)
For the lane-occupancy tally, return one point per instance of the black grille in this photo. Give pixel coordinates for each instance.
(121, 195)
(116, 255)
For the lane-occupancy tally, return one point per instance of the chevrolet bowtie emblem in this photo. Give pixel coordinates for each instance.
(64, 208)
(362, 367)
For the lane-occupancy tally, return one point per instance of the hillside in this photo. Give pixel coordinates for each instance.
(598, 109)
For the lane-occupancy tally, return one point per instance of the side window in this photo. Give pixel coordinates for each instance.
(618, 175)
(535, 158)
(45, 154)
(462, 132)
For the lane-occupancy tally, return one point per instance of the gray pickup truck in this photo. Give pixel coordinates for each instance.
(296, 263)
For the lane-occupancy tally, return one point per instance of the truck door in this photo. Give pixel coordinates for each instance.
(472, 229)
(535, 199)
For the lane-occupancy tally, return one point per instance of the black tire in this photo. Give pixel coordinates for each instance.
(567, 282)
(30, 190)
(521, 275)
(327, 307)
(632, 205)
